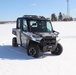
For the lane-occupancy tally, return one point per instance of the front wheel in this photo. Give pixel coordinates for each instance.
(33, 50)
(58, 50)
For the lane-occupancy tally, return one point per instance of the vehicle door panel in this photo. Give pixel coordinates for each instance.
(24, 40)
(18, 36)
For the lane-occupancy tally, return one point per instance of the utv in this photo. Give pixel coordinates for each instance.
(36, 34)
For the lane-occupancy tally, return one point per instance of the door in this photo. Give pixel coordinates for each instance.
(24, 38)
(18, 31)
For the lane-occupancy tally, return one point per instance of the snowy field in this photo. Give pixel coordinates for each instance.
(14, 61)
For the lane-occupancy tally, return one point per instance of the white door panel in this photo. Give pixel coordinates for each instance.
(18, 36)
(24, 40)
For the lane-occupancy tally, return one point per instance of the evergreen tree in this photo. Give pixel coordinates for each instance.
(60, 17)
(53, 17)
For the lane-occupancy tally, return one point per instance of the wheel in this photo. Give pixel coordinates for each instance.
(14, 42)
(58, 50)
(33, 50)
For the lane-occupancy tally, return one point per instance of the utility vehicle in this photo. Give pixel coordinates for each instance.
(36, 35)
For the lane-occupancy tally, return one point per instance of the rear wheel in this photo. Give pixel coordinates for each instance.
(14, 42)
(33, 50)
(58, 50)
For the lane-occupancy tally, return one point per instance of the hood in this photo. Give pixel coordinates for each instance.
(47, 34)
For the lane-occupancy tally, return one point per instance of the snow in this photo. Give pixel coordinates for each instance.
(65, 28)
(14, 61)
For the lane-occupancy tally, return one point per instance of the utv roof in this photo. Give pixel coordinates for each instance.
(35, 17)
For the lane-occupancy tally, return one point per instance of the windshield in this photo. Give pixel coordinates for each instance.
(40, 26)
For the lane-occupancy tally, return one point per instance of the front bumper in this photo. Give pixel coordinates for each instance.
(48, 44)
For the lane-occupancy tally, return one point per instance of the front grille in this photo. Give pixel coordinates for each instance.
(48, 41)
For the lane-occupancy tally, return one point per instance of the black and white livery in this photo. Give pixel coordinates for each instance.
(36, 34)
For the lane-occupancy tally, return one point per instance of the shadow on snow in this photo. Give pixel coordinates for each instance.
(17, 53)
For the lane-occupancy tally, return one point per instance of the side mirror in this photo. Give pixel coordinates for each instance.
(55, 32)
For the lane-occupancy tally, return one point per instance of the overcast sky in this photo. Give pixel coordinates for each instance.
(11, 9)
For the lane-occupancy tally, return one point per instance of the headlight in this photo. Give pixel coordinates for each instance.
(36, 36)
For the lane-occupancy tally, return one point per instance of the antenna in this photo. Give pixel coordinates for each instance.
(68, 12)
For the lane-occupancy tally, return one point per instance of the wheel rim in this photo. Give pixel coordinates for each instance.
(32, 51)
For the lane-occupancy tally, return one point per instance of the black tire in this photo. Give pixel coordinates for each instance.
(58, 50)
(14, 42)
(33, 50)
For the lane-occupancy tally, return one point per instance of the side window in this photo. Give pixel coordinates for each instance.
(18, 23)
(25, 28)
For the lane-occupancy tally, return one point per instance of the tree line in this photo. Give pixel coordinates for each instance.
(4, 22)
(60, 17)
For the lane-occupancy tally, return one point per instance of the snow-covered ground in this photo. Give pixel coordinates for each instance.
(14, 61)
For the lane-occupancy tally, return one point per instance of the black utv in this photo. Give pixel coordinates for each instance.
(36, 34)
